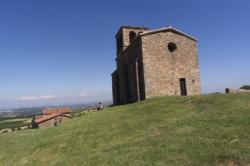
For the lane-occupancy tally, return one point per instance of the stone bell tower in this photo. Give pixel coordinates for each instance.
(126, 35)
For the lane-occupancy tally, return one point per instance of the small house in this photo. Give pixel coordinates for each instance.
(51, 117)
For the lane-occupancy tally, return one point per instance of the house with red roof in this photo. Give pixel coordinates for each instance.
(51, 117)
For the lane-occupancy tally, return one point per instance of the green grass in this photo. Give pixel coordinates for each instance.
(200, 130)
(14, 123)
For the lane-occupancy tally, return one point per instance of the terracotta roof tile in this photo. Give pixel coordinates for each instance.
(44, 118)
(48, 111)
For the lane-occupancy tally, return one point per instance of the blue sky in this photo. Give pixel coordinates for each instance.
(63, 51)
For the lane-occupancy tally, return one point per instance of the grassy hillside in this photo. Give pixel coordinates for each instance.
(201, 130)
(14, 123)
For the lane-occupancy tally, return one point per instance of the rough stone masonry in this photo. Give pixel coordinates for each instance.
(154, 63)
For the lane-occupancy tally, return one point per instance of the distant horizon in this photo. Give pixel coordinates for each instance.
(82, 102)
(86, 101)
(64, 51)
(2, 109)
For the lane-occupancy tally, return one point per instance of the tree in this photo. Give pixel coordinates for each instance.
(245, 87)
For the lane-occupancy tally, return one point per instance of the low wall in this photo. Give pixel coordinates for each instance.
(228, 90)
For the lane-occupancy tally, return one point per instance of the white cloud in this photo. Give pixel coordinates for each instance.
(37, 97)
(83, 94)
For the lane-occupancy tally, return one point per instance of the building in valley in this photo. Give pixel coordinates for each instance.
(51, 117)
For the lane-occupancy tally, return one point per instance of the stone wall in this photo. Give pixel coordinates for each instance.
(115, 88)
(47, 124)
(163, 69)
(122, 37)
(51, 122)
(146, 67)
(228, 90)
(126, 71)
(126, 32)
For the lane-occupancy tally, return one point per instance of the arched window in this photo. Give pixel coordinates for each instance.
(132, 36)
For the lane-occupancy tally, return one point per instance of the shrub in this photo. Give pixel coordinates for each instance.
(245, 87)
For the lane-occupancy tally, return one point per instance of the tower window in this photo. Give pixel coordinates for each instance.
(132, 36)
(172, 47)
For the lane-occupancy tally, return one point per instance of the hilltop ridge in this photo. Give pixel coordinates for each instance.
(197, 130)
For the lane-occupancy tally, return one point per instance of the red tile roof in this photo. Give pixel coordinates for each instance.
(46, 117)
(48, 111)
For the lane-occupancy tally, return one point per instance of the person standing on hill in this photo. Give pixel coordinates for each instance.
(100, 107)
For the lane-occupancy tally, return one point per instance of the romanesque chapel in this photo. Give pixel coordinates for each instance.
(154, 63)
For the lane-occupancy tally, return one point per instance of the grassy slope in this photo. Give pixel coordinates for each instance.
(201, 130)
(14, 123)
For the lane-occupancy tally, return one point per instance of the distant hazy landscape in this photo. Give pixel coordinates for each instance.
(15, 118)
(29, 111)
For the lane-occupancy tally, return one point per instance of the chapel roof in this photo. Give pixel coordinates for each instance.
(168, 29)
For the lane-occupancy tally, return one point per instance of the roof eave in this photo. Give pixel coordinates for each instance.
(169, 29)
